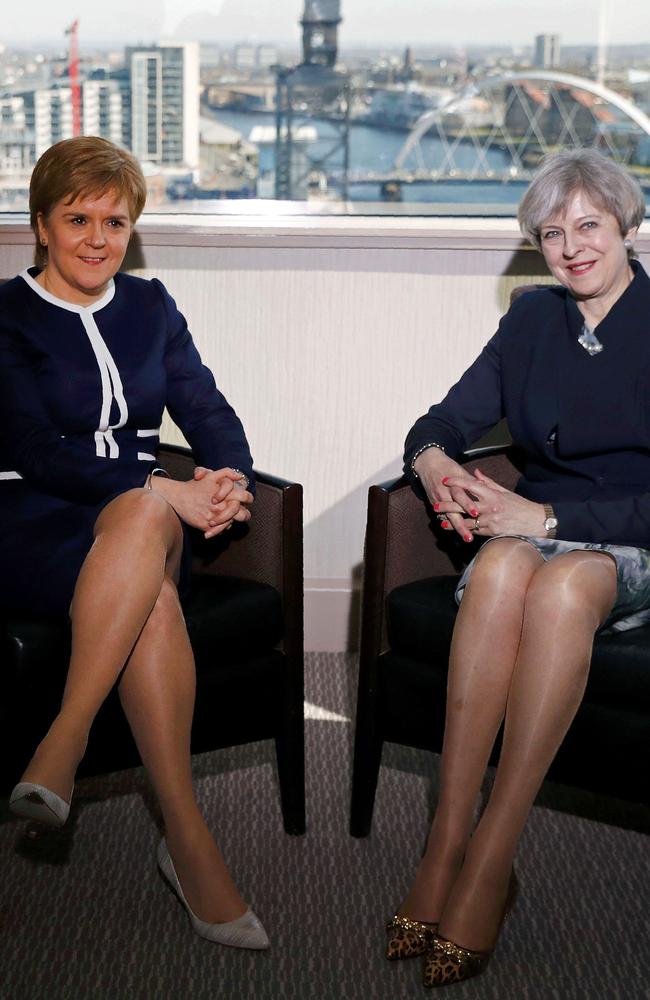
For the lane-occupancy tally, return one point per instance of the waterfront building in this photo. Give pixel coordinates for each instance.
(245, 57)
(17, 143)
(638, 82)
(229, 162)
(164, 82)
(399, 106)
(526, 104)
(249, 97)
(267, 55)
(52, 109)
(547, 51)
(211, 55)
(102, 110)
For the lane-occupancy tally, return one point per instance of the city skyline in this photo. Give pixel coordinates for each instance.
(365, 22)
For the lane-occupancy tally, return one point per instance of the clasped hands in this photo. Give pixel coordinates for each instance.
(211, 501)
(472, 503)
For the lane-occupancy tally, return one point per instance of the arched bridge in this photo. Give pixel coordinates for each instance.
(499, 127)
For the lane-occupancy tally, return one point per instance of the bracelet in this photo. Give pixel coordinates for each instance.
(155, 472)
(425, 447)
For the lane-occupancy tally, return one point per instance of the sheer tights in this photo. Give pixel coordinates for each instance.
(521, 650)
(127, 626)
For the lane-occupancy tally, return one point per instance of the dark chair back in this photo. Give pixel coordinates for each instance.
(408, 614)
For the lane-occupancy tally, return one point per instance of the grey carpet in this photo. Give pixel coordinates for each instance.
(85, 916)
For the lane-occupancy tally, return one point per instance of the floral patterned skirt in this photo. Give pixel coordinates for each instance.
(632, 607)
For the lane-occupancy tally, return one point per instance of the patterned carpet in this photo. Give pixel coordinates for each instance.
(85, 916)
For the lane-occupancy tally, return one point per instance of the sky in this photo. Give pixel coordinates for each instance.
(365, 22)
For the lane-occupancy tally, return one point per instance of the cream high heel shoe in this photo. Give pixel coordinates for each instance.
(37, 802)
(244, 932)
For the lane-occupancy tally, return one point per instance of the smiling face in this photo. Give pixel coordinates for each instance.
(584, 249)
(86, 241)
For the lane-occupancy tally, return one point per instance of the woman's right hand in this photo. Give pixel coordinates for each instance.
(433, 468)
(210, 502)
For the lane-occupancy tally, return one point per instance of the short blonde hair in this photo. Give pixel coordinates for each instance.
(606, 183)
(84, 165)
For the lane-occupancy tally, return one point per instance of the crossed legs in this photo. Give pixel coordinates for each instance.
(127, 624)
(521, 650)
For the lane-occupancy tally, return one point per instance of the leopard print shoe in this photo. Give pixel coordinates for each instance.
(446, 963)
(408, 938)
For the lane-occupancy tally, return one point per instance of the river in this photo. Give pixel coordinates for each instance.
(373, 149)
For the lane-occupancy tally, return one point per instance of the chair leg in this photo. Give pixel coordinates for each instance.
(365, 773)
(290, 755)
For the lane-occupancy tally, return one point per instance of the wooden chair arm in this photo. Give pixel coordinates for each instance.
(402, 545)
(267, 549)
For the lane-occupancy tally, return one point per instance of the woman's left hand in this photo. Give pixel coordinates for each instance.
(500, 511)
(231, 497)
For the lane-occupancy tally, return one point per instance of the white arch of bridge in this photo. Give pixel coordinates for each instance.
(429, 118)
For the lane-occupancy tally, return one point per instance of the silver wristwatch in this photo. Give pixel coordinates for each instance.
(550, 521)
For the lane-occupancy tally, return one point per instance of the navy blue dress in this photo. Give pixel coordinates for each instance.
(82, 394)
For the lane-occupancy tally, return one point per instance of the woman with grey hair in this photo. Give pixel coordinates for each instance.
(566, 553)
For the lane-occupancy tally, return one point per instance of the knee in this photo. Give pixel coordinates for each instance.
(579, 587)
(147, 513)
(504, 565)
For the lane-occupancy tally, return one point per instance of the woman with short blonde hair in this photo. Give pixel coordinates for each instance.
(89, 359)
(89, 165)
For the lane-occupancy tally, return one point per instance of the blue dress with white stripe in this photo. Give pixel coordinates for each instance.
(82, 394)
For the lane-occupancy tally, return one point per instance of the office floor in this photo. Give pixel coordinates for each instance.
(84, 915)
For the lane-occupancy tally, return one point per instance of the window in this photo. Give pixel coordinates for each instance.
(368, 106)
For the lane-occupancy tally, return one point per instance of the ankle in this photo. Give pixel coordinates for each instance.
(445, 849)
(434, 879)
(490, 859)
(68, 735)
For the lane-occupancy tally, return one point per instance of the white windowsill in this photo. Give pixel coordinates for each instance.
(273, 229)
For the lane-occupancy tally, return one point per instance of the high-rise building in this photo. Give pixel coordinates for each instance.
(547, 51)
(102, 110)
(165, 103)
(52, 110)
(17, 151)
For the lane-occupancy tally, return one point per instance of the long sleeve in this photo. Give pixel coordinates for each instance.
(470, 408)
(54, 464)
(579, 423)
(619, 522)
(210, 425)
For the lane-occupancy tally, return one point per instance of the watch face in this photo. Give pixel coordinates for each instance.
(550, 523)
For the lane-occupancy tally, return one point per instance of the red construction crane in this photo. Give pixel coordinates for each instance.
(73, 74)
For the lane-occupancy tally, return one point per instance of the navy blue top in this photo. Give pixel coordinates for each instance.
(82, 394)
(83, 389)
(581, 422)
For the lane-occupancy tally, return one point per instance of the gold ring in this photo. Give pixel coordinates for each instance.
(477, 523)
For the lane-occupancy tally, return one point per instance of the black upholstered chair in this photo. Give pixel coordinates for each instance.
(408, 612)
(245, 620)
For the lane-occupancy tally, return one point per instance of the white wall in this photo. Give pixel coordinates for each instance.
(330, 337)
